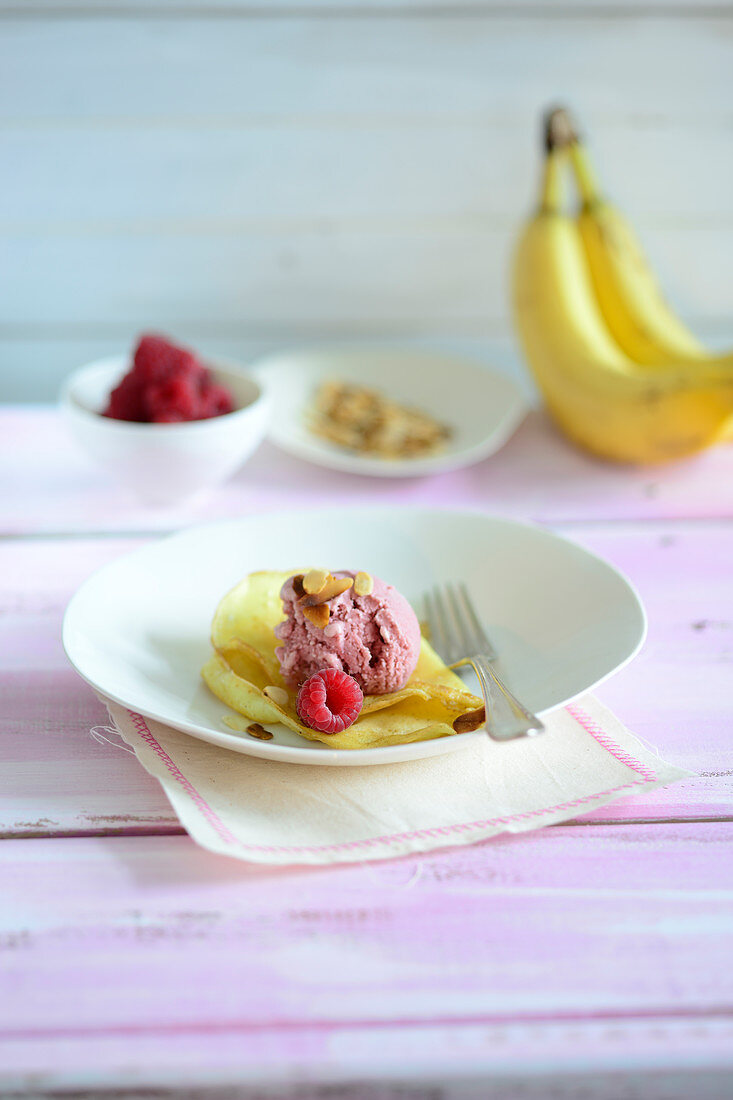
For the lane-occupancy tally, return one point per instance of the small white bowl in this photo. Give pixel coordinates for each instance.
(165, 463)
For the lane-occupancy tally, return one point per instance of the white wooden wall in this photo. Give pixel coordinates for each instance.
(253, 175)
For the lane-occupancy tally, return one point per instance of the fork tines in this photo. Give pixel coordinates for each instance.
(457, 631)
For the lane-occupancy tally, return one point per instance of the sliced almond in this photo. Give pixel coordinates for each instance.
(332, 588)
(315, 580)
(258, 731)
(318, 615)
(469, 721)
(277, 694)
(363, 584)
(366, 421)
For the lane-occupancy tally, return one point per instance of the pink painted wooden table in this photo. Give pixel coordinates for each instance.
(589, 960)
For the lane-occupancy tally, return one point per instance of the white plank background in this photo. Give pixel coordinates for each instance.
(252, 175)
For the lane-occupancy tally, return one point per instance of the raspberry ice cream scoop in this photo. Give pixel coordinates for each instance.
(374, 637)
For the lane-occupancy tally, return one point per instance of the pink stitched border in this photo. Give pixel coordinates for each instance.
(211, 816)
(605, 742)
(228, 837)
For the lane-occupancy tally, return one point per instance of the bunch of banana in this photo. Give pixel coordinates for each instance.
(620, 374)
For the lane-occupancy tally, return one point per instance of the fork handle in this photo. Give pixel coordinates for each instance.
(506, 717)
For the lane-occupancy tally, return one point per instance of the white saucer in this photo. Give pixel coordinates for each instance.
(561, 619)
(482, 406)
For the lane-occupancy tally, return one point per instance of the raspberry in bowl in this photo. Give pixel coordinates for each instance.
(165, 423)
(167, 384)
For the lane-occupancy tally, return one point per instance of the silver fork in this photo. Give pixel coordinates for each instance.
(458, 637)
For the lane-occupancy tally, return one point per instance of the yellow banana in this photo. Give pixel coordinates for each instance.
(598, 396)
(636, 313)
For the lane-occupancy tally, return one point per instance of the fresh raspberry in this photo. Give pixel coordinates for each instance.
(167, 384)
(174, 398)
(157, 359)
(215, 400)
(329, 701)
(126, 401)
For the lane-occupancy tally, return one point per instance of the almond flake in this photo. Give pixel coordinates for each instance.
(277, 694)
(332, 588)
(315, 580)
(363, 584)
(318, 615)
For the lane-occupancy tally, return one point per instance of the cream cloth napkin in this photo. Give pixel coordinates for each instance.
(265, 812)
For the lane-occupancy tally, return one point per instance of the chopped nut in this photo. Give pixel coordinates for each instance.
(315, 580)
(363, 584)
(298, 586)
(258, 731)
(364, 420)
(332, 588)
(277, 694)
(318, 615)
(469, 721)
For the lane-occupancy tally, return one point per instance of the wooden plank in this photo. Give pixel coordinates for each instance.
(74, 176)
(360, 65)
(55, 779)
(240, 227)
(678, 693)
(649, 1058)
(345, 276)
(154, 933)
(189, 971)
(373, 275)
(319, 8)
(48, 485)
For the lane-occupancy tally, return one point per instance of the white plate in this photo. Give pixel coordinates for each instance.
(481, 406)
(562, 619)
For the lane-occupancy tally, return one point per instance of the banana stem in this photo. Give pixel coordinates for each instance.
(561, 134)
(584, 174)
(551, 190)
(559, 129)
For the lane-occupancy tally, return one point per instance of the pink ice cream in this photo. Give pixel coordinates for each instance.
(374, 638)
